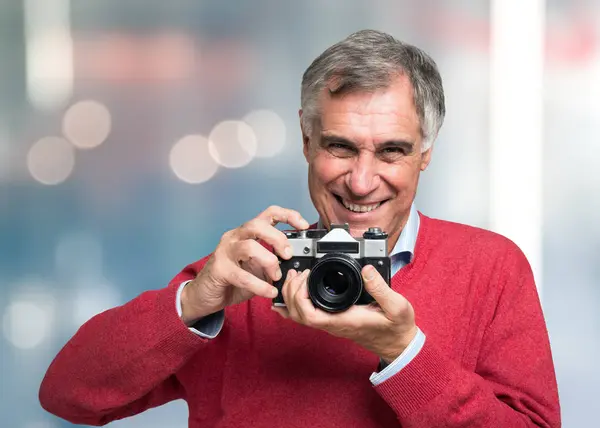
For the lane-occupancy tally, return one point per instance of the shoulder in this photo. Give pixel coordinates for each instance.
(466, 239)
(492, 258)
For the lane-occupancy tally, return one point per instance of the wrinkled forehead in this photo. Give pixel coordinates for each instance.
(374, 114)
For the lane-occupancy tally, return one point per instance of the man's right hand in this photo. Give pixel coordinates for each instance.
(240, 267)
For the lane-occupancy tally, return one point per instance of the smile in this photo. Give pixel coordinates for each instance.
(358, 208)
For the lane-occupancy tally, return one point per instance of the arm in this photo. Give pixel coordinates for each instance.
(513, 384)
(123, 361)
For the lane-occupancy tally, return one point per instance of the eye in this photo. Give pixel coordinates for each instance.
(394, 150)
(392, 154)
(339, 146)
(341, 149)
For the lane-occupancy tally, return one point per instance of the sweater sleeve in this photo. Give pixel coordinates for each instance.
(124, 360)
(513, 384)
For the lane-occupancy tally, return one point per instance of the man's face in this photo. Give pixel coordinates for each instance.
(365, 159)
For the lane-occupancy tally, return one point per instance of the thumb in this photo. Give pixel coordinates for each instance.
(380, 290)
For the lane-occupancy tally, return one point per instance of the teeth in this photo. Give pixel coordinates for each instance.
(360, 208)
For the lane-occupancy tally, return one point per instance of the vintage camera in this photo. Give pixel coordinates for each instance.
(335, 260)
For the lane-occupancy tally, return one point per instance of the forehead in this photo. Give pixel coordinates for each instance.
(366, 115)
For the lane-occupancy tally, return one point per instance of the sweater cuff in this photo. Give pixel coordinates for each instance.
(207, 327)
(409, 354)
(418, 383)
(172, 336)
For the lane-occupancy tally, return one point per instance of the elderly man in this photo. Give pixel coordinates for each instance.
(457, 339)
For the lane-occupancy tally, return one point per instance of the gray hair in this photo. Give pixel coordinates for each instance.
(366, 61)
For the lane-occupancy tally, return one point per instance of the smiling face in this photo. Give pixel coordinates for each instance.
(365, 159)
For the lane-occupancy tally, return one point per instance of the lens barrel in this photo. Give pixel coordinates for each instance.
(335, 282)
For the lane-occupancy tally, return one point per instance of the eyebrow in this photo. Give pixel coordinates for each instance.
(329, 139)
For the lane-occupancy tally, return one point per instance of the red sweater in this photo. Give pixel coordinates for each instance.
(486, 361)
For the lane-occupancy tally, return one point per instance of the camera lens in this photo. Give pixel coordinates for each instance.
(335, 283)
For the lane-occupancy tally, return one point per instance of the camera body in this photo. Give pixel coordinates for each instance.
(335, 260)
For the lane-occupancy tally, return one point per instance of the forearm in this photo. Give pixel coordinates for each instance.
(118, 357)
(434, 390)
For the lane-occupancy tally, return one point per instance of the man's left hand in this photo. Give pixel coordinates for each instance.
(384, 328)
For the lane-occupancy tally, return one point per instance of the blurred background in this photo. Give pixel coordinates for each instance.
(134, 133)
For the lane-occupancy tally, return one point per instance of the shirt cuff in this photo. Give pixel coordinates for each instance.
(207, 327)
(411, 351)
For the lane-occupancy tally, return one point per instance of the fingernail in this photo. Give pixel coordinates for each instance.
(274, 292)
(278, 275)
(306, 224)
(287, 252)
(305, 273)
(369, 272)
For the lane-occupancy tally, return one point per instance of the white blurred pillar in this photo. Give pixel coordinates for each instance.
(516, 119)
(49, 52)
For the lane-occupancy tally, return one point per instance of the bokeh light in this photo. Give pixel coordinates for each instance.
(232, 144)
(87, 124)
(51, 160)
(28, 320)
(49, 52)
(93, 296)
(190, 160)
(270, 131)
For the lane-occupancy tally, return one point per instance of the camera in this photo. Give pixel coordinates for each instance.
(335, 260)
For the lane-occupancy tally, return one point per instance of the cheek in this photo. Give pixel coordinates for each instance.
(402, 178)
(326, 170)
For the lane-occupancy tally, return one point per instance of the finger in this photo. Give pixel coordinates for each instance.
(281, 311)
(301, 290)
(238, 277)
(255, 269)
(285, 289)
(249, 251)
(297, 285)
(292, 291)
(306, 310)
(357, 316)
(389, 301)
(259, 228)
(274, 215)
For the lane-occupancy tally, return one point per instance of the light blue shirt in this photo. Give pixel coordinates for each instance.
(401, 255)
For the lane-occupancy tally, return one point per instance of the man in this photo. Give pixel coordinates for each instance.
(458, 338)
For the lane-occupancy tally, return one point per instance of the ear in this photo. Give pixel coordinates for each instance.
(305, 137)
(426, 158)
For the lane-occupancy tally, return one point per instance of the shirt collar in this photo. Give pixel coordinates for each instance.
(408, 237)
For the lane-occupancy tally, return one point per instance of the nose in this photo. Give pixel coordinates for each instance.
(363, 178)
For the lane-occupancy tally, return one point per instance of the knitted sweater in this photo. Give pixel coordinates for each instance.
(486, 361)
